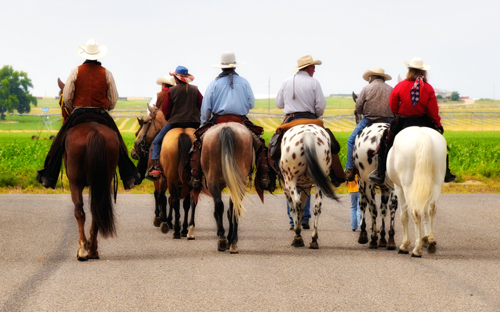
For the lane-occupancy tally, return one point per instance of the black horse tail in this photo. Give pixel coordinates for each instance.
(314, 170)
(99, 181)
(184, 145)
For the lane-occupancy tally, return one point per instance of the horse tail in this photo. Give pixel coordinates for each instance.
(97, 168)
(421, 187)
(184, 145)
(230, 170)
(314, 170)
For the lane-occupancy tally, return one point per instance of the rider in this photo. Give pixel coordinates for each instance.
(166, 83)
(414, 103)
(301, 96)
(229, 98)
(373, 105)
(181, 107)
(90, 92)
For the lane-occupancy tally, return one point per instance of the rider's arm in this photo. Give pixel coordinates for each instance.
(320, 100)
(166, 107)
(69, 89)
(112, 92)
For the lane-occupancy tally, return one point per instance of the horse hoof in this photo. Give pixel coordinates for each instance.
(382, 243)
(234, 249)
(373, 245)
(81, 259)
(401, 251)
(431, 248)
(390, 247)
(313, 245)
(191, 238)
(222, 245)
(363, 238)
(164, 228)
(177, 236)
(95, 257)
(156, 222)
(415, 255)
(298, 242)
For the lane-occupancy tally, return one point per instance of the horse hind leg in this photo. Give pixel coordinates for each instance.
(297, 213)
(429, 239)
(156, 221)
(82, 253)
(417, 251)
(222, 244)
(317, 212)
(382, 242)
(232, 235)
(190, 235)
(393, 206)
(185, 205)
(93, 253)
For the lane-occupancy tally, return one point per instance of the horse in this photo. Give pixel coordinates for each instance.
(416, 164)
(366, 162)
(227, 159)
(91, 157)
(174, 154)
(305, 162)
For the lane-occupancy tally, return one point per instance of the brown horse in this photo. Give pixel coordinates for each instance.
(173, 156)
(227, 159)
(90, 157)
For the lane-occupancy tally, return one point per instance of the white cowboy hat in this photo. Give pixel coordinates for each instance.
(377, 71)
(92, 50)
(228, 60)
(166, 80)
(417, 63)
(306, 61)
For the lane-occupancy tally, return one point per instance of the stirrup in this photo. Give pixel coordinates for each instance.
(377, 179)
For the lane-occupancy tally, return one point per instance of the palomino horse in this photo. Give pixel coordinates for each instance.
(90, 157)
(227, 160)
(174, 154)
(366, 162)
(416, 164)
(305, 162)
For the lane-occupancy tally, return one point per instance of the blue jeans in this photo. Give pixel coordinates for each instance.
(350, 142)
(307, 211)
(158, 140)
(355, 212)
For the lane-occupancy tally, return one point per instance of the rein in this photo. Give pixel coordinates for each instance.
(143, 144)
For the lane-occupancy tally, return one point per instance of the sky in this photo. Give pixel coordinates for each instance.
(147, 39)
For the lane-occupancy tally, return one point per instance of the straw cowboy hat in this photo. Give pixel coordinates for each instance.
(417, 63)
(182, 74)
(306, 61)
(377, 71)
(228, 60)
(92, 50)
(166, 80)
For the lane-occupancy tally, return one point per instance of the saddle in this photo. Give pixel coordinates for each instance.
(230, 118)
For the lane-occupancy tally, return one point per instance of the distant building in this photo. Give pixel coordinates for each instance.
(445, 94)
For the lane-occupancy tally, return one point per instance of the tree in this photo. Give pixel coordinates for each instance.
(14, 94)
(455, 96)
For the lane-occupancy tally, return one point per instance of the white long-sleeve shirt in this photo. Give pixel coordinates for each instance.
(308, 95)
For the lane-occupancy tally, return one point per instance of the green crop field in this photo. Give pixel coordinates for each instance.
(474, 150)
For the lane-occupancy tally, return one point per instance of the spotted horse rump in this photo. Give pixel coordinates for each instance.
(365, 161)
(305, 163)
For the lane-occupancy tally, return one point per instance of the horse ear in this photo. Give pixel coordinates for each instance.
(60, 84)
(151, 108)
(140, 121)
(354, 96)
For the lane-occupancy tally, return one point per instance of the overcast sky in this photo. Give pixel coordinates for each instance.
(147, 39)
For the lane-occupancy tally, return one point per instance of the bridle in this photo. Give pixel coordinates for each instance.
(143, 145)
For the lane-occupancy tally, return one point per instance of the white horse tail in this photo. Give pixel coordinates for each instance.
(230, 170)
(422, 185)
(314, 169)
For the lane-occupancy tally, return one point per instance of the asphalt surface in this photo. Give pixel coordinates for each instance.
(144, 270)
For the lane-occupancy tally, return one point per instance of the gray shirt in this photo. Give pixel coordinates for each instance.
(373, 101)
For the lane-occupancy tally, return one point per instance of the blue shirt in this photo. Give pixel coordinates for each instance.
(221, 99)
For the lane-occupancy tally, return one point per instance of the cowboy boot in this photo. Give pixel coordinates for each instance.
(449, 177)
(154, 171)
(337, 175)
(379, 178)
(195, 165)
(263, 178)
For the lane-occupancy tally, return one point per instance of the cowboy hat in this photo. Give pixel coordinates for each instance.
(417, 63)
(306, 61)
(92, 50)
(182, 74)
(228, 60)
(166, 80)
(377, 71)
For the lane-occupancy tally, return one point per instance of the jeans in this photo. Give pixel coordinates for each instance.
(158, 140)
(355, 212)
(307, 211)
(350, 142)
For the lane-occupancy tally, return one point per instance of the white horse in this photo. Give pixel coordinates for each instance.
(366, 162)
(416, 164)
(305, 162)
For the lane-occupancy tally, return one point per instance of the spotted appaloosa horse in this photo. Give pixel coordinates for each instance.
(305, 162)
(227, 159)
(416, 164)
(365, 162)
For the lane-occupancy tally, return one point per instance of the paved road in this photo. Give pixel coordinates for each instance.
(144, 270)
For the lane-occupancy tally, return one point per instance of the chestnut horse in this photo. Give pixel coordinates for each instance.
(174, 154)
(90, 157)
(227, 159)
